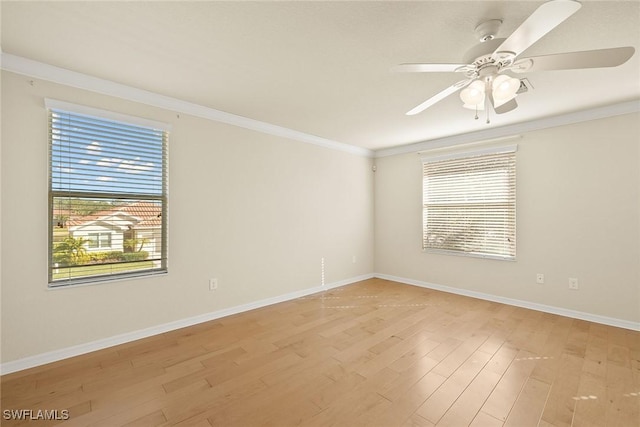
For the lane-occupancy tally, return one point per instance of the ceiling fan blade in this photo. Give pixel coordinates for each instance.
(428, 68)
(439, 97)
(544, 19)
(574, 60)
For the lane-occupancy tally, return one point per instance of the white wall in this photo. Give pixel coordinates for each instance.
(256, 211)
(578, 215)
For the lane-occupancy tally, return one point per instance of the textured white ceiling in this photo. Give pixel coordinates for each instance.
(322, 68)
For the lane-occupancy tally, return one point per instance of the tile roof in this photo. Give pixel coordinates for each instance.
(147, 213)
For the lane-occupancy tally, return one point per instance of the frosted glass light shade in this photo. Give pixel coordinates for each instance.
(473, 94)
(504, 88)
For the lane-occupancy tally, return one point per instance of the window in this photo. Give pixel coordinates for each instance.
(469, 203)
(99, 240)
(107, 195)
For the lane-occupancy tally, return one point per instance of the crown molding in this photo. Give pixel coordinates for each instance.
(39, 70)
(517, 128)
(42, 71)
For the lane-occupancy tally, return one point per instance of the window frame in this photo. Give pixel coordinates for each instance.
(473, 156)
(98, 240)
(162, 198)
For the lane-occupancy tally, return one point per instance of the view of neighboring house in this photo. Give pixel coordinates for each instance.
(110, 230)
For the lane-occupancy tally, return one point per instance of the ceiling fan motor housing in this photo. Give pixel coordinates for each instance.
(480, 54)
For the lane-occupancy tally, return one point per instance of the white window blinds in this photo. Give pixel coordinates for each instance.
(107, 196)
(469, 203)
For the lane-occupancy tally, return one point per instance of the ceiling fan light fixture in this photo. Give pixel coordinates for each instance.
(473, 95)
(504, 88)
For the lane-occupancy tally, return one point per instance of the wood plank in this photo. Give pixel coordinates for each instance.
(465, 409)
(407, 379)
(483, 419)
(560, 407)
(153, 419)
(417, 421)
(530, 404)
(439, 402)
(404, 407)
(499, 403)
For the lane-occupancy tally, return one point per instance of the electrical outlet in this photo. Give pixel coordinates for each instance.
(353, 259)
(573, 284)
(539, 278)
(213, 284)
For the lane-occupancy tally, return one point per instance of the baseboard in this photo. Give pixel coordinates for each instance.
(620, 323)
(65, 353)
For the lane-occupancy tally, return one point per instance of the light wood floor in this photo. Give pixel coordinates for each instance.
(375, 353)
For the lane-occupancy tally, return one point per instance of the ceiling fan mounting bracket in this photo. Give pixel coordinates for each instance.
(487, 30)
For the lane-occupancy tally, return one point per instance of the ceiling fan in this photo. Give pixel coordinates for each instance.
(486, 65)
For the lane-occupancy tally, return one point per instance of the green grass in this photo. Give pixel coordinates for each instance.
(100, 269)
